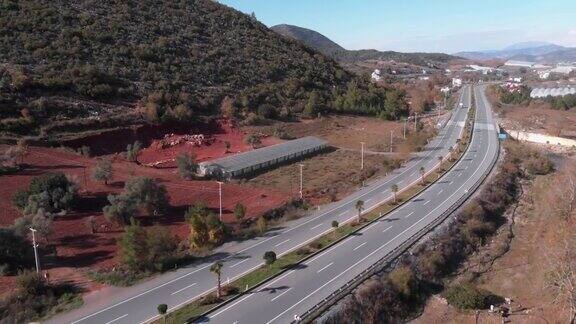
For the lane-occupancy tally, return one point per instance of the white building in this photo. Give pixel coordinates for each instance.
(544, 74)
(520, 63)
(563, 69)
(483, 69)
(376, 75)
(553, 92)
(456, 82)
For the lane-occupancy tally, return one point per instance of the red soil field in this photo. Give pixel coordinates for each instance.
(76, 246)
(213, 149)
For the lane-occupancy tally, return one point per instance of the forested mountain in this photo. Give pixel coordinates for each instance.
(79, 64)
(328, 47)
(309, 37)
(530, 51)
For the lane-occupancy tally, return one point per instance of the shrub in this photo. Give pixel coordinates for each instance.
(209, 299)
(103, 171)
(253, 140)
(132, 151)
(35, 299)
(230, 290)
(52, 192)
(14, 251)
(187, 166)
(267, 111)
(239, 211)
(466, 296)
(152, 249)
(205, 227)
(146, 193)
(403, 281)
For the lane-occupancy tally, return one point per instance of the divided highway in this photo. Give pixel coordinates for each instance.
(297, 291)
(138, 304)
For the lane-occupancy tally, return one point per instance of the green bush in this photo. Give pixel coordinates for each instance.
(466, 296)
(187, 166)
(52, 192)
(35, 300)
(139, 192)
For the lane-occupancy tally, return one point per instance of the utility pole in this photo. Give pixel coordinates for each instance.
(391, 140)
(220, 197)
(301, 180)
(405, 125)
(415, 121)
(35, 246)
(362, 156)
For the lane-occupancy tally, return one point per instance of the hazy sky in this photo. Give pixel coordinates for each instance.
(424, 25)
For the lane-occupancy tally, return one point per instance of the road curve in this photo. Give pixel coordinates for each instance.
(298, 290)
(137, 304)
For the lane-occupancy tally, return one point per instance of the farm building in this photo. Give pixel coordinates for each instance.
(553, 92)
(252, 161)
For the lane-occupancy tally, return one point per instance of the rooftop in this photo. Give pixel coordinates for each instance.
(251, 158)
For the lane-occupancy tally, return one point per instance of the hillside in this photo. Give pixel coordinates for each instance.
(70, 66)
(530, 51)
(309, 37)
(328, 47)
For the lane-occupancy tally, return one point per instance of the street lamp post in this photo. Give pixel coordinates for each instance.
(301, 181)
(220, 197)
(362, 156)
(391, 140)
(405, 124)
(35, 246)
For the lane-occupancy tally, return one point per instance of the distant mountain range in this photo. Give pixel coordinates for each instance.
(330, 48)
(528, 51)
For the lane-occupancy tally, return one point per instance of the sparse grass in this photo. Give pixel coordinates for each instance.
(118, 278)
(328, 176)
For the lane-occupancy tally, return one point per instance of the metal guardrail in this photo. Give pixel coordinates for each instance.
(379, 265)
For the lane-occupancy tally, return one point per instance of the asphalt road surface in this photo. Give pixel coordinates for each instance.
(298, 290)
(137, 304)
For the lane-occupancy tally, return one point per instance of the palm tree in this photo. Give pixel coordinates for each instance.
(335, 227)
(269, 258)
(394, 189)
(359, 208)
(162, 310)
(422, 173)
(216, 268)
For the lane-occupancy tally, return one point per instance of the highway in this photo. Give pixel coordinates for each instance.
(138, 304)
(298, 290)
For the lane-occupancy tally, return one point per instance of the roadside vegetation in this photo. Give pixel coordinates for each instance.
(399, 294)
(36, 299)
(522, 97)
